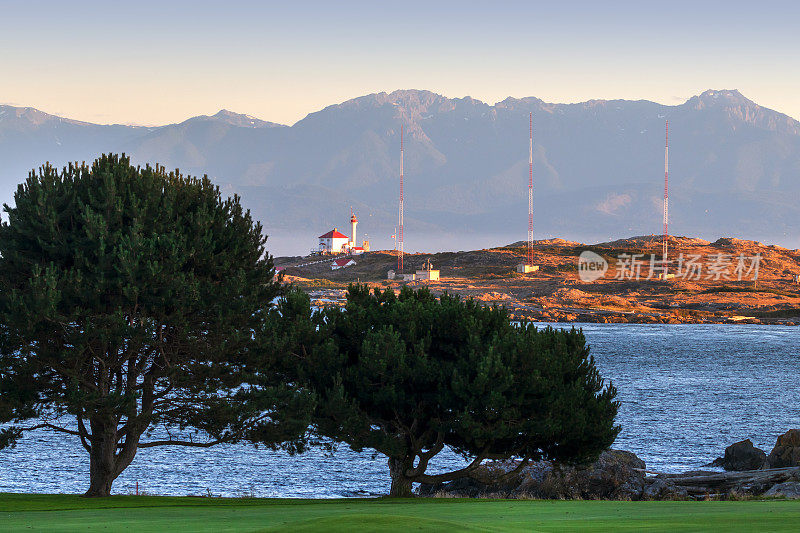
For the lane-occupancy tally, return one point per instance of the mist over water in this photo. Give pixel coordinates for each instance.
(686, 392)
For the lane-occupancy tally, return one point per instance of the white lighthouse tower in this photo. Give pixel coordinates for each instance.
(353, 223)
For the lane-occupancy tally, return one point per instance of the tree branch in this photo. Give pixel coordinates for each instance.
(425, 457)
(502, 477)
(180, 443)
(450, 476)
(53, 427)
(84, 433)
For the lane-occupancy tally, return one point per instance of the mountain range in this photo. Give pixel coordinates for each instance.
(598, 166)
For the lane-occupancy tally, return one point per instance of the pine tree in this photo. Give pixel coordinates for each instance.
(411, 375)
(129, 299)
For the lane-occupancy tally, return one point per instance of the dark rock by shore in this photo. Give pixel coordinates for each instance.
(786, 451)
(789, 490)
(742, 455)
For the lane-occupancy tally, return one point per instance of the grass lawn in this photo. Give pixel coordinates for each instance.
(26, 512)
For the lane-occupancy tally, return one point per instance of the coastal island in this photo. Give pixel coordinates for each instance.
(726, 281)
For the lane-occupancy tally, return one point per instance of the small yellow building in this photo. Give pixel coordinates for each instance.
(524, 268)
(427, 273)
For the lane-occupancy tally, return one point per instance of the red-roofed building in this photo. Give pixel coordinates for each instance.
(343, 262)
(333, 234)
(333, 242)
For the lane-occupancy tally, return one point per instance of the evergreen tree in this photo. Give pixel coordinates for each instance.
(411, 375)
(129, 298)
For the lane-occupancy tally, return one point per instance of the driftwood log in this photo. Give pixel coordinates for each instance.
(714, 484)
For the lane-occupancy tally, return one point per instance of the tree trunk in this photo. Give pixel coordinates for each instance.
(103, 468)
(100, 480)
(401, 485)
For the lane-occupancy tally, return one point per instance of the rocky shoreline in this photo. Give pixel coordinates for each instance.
(517, 311)
(605, 317)
(621, 475)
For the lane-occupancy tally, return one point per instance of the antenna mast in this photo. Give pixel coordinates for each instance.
(666, 199)
(400, 234)
(530, 195)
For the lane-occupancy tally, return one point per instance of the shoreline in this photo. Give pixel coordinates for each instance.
(571, 315)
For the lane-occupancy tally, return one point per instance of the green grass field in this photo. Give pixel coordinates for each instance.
(32, 512)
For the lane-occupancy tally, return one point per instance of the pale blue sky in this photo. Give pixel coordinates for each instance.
(157, 62)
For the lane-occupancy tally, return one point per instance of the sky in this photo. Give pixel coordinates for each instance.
(153, 63)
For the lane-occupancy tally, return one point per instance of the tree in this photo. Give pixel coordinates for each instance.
(412, 374)
(129, 298)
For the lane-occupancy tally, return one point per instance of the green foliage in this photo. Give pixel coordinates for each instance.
(410, 374)
(129, 298)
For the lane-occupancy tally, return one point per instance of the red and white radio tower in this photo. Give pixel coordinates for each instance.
(666, 200)
(400, 234)
(530, 195)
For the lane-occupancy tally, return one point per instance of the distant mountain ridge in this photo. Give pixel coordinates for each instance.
(598, 165)
(235, 119)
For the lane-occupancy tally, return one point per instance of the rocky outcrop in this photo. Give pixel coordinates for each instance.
(786, 451)
(742, 455)
(620, 475)
(616, 475)
(659, 489)
(789, 490)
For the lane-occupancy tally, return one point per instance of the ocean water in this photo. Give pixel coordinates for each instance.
(687, 391)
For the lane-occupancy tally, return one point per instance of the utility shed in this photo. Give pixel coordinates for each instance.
(400, 276)
(427, 273)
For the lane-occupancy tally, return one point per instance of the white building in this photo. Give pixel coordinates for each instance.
(333, 242)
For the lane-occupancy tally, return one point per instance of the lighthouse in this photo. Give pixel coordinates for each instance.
(353, 223)
(334, 242)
